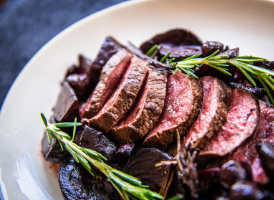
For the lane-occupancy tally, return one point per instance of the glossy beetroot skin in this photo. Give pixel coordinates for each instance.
(125, 152)
(80, 83)
(231, 172)
(245, 190)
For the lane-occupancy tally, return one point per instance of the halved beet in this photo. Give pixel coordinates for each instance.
(77, 183)
(209, 47)
(142, 166)
(110, 78)
(146, 111)
(123, 97)
(248, 152)
(241, 122)
(67, 106)
(52, 152)
(182, 106)
(80, 83)
(90, 138)
(175, 36)
(84, 64)
(179, 52)
(216, 98)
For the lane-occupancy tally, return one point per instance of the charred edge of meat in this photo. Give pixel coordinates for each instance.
(246, 108)
(123, 97)
(161, 135)
(111, 75)
(153, 64)
(216, 98)
(257, 91)
(145, 112)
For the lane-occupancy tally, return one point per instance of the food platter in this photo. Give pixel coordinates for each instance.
(247, 24)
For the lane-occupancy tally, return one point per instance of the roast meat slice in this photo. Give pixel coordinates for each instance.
(216, 97)
(182, 106)
(241, 122)
(67, 106)
(248, 152)
(110, 78)
(146, 111)
(123, 97)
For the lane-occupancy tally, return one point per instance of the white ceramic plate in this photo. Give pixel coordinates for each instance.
(247, 24)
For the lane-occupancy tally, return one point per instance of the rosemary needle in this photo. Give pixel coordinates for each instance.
(221, 63)
(127, 186)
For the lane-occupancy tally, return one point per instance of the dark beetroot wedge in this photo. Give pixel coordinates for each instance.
(52, 152)
(142, 166)
(73, 69)
(109, 47)
(182, 106)
(231, 172)
(146, 111)
(179, 52)
(110, 77)
(175, 36)
(67, 106)
(95, 140)
(123, 97)
(84, 64)
(80, 83)
(246, 190)
(216, 97)
(209, 47)
(241, 122)
(77, 183)
(248, 152)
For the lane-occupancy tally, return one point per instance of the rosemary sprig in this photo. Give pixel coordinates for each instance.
(127, 186)
(221, 63)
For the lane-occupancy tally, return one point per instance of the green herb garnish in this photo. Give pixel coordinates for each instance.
(127, 186)
(221, 63)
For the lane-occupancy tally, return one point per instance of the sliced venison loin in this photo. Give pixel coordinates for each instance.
(216, 98)
(67, 106)
(123, 97)
(182, 106)
(248, 152)
(142, 166)
(241, 122)
(146, 111)
(110, 78)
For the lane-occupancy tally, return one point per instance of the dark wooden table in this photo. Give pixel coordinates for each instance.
(25, 26)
